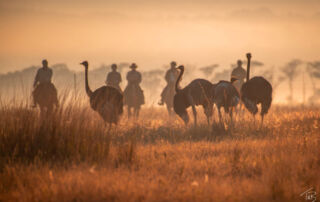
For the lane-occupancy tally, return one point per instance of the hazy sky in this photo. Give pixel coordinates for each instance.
(152, 33)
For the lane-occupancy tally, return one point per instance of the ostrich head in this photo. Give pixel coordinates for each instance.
(88, 90)
(248, 66)
(249, 56)
(250, 105)
(180, 106)
(233, 79)
(181, 67)
(85, 63)
(235, 100)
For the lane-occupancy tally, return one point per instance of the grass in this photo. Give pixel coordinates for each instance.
(70, 157)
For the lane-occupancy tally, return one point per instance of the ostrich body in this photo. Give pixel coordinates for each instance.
(106, 100)
(198, 92)
(226, 96)
(254, 91)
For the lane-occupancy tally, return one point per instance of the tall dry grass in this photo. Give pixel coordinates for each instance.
(70, 156)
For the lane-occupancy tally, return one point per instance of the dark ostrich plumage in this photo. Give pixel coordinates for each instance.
(106, 100)
(254, 91)
(257, 91)
(197, 92)
(225, 95)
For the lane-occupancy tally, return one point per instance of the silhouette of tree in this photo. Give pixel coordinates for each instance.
(270, 75)
(313, 69)
(223, 75)
(290, 71)
(208, 70)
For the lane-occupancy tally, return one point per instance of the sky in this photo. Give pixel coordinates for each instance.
(153, 33)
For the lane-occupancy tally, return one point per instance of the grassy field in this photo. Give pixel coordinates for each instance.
(70, 157)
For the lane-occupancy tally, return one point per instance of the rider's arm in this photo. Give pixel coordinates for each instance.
(51, 73)
(107, 79)
(167, 77)
(139, 78)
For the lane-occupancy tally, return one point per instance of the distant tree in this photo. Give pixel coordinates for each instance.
(253, 63)
(208, 70)
(223, 75)
(122, 66)
(290, 71)
(313, 69)
(270, 75)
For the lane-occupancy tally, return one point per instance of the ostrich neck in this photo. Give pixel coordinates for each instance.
(248, 69)
(88, 90)
(179, 78)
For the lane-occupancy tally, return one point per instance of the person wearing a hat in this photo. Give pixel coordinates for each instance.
(168, 92)
(114, 78)
(43, 77)
(133, 94)
(239, 74)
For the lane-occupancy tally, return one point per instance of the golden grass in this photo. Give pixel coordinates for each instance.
(70, 157)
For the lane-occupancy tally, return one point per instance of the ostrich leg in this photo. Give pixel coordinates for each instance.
(129, 112)
(208, 111)
(254, 119)
(220, 116)
(262, 117)
(231, 120)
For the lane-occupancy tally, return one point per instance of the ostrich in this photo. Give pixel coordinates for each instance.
(226, 96)
(198, 92)
(106, 100)
(256, 91)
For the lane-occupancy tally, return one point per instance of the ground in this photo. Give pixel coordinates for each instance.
(70, 156)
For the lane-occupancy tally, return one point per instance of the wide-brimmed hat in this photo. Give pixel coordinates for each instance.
(133, 66)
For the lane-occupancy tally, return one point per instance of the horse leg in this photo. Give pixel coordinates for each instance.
(43, 112)
(49, 109)
(136, 112)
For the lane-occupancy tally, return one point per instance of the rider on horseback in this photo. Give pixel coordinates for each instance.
(114, 78)
(133, 94)
(169, 91)
(238, 73)
(42, 82)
